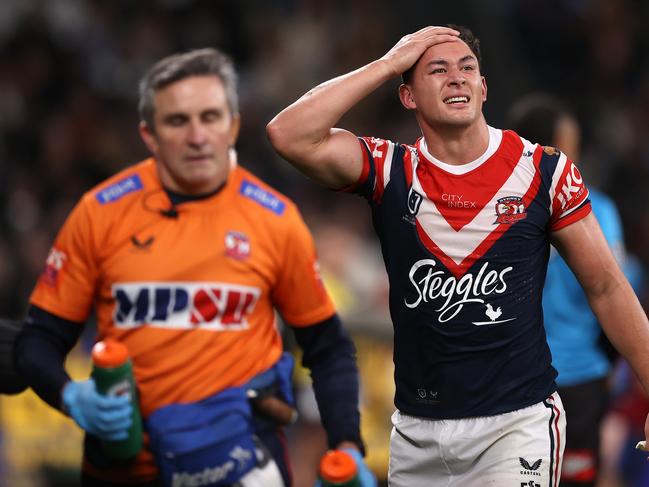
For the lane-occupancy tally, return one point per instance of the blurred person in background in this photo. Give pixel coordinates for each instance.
(465, 217)
(574, 335)
(184, 258)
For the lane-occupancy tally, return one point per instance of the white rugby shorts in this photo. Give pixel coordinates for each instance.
(522, 448)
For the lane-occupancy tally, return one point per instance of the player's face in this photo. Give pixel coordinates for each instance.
(193, 130)
(446, 88)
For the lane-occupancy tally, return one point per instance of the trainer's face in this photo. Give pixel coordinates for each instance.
(446, 88)
(193, 130)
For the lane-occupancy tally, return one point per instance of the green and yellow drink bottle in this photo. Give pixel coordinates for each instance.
(338, 469)
(113, 374)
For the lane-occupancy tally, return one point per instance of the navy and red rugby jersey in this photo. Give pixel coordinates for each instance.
(466, 250)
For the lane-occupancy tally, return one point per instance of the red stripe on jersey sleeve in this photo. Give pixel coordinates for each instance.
(572, 217)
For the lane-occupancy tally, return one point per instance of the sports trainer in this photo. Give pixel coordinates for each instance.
(184, 258)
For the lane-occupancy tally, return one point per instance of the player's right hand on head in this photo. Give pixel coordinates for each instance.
(409, 49)
(106, 417)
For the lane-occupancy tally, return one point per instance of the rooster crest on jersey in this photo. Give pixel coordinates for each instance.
(510, 209)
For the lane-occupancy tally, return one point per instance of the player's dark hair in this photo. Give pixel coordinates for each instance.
(199, 62)
(465, 35)
(536, 116)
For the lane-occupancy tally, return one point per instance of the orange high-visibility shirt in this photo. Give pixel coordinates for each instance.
(192, 295)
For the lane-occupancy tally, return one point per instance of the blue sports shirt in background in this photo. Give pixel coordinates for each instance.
(572, 329)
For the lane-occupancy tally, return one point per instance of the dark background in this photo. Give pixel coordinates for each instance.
(68, 93)
(69, 71)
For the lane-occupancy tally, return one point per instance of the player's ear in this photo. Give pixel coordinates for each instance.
(148, 137)
(484, 89)
(406, 97)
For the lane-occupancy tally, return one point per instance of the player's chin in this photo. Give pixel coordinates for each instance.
(458, 122)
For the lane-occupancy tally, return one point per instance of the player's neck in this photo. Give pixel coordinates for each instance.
(457, 145)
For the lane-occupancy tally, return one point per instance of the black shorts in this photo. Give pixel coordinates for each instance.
(585, 405)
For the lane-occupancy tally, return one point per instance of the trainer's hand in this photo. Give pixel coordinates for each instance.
(410, 48)
(106, 417)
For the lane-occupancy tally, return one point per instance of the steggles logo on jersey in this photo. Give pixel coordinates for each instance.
(237, 245)
(182, 305)
(53, 265)
(454, 293)
(493, 315)
(510, 209)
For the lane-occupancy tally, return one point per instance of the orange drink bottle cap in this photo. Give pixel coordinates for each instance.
(109, 353)
(337, 466)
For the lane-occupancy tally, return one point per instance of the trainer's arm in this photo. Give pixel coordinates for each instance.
(330, 355)
(304, 133)
(611, 297)
(40, 351)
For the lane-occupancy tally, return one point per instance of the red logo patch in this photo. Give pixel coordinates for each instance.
(53, 265)
(510, 209)
(237, 245)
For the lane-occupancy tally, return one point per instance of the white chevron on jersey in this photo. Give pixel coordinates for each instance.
(460, 246)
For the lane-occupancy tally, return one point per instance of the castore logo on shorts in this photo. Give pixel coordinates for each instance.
(209, 305)
(454, 293)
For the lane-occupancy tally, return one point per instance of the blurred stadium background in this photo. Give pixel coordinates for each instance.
(68, 91)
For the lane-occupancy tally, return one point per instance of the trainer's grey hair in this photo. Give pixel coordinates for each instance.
(199, 62)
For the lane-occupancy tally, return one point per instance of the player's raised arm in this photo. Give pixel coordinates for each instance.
(584, 248)
(304, 133)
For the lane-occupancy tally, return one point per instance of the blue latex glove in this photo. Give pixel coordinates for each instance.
(106, 417)
(365, 476)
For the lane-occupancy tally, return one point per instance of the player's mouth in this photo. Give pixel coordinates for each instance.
(455, 100)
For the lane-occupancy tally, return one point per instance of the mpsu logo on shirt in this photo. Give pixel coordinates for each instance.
(184, 305)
